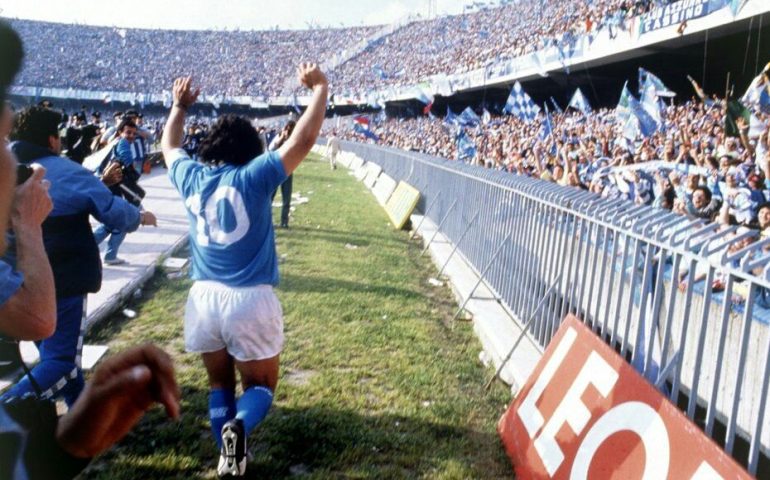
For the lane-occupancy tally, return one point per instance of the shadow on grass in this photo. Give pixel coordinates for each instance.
(315, 442)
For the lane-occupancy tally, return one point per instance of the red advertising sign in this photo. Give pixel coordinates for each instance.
(585, 413)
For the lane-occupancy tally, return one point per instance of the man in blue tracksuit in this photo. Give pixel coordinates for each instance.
(71, 249)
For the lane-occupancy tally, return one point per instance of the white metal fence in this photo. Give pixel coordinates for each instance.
(687, 303)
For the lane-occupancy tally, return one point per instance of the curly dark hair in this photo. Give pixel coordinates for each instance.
(35, 125)
(232, 140)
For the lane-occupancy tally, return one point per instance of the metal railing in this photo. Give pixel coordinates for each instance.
(687, 303)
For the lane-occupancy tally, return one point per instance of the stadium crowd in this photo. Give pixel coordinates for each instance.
(460, 43)
(690, 166)
(145, 61)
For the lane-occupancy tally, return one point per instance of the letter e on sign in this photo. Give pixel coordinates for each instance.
(584, 413)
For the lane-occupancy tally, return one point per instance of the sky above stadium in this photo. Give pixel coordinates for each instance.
(230, 14)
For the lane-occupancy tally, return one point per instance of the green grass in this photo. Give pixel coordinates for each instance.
(375, 380)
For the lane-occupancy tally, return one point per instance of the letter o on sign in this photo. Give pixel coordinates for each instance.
(636, 417)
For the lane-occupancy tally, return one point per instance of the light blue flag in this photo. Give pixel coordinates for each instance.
(757, 97)
(651, 104)
(647, 125)
(623, 110)
(647, 78)
(520, 105)
(579, 102)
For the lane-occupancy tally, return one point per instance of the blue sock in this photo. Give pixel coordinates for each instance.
(253, 406)
(221, 410)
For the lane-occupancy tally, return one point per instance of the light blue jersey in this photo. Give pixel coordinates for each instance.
(231, 226)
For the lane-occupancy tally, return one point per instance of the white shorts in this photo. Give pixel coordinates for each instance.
(247, 321)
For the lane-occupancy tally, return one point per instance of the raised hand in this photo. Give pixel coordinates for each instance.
(311, 76)
(184, 95)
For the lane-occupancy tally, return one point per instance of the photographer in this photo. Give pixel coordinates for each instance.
(34, 442)
(70, 245)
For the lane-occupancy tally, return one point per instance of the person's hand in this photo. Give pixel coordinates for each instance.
(741, 123)
(113, 174)
(184, 95)
(311, 76)
(31, 203)
(121, 390)
(148, 219)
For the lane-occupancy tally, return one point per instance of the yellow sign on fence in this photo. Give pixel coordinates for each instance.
(401, 204)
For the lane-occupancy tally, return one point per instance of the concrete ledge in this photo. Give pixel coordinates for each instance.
(492, 322)
(112, 303)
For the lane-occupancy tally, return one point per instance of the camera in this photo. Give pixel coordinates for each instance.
(23, 172)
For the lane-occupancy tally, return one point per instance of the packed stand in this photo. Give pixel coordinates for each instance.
(704, 173)
(145, 61)
(460, 43)
(253, 63)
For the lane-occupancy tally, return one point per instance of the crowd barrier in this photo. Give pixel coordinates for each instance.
(618, 267)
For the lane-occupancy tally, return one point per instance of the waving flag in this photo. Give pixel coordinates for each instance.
(652, 105)
(466, 149)
(647, 125)
(521, 105)
(623, 110)
(647, 78)
(579, 102)
(363, 129)
(546, 129)
(450, 118)
(468, 118)
(758, 94)
(362, 120)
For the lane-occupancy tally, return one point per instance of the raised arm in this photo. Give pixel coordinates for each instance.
(306, 132)
(173, 134)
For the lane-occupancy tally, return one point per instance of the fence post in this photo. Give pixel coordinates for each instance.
(481, 277)
(425, 215)
(438, 228)
(524, 330)
(457, 245)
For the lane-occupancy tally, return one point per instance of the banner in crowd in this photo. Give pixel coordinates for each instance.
(586, 413)
(678, 12)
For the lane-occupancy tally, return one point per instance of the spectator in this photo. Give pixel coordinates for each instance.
(124, 156)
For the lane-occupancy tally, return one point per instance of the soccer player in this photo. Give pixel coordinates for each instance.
(232, 317)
